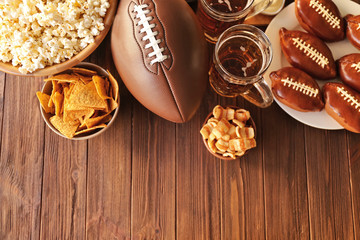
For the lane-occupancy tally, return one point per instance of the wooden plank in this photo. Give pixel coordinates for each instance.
(197, 180)
(21, 161)
(286, 204)
(108, 212)
(242, 188)
(354, 163)
(2, 92)
(109, 180)
(64, 188)
(328, 184)
(153, 176)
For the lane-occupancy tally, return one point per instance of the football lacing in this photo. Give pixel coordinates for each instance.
(356, 66)
(349, 98)
(150, 34)
(301, 87)
(311, 52)
(325, 13)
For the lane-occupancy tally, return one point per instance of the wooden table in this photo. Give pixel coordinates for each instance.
(147, 178)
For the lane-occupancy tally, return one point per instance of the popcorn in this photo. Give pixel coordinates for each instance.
(37, 33)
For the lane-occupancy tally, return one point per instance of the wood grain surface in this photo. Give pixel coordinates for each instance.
(147, 178)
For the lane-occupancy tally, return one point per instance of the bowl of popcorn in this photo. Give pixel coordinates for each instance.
(41, 38)
(81, 102)
(228, 133)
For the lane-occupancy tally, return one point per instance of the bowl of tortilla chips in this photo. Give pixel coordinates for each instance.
(81, 102)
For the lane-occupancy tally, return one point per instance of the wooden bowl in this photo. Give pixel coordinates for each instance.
(59, 67)
(250, 122)
(47, 88)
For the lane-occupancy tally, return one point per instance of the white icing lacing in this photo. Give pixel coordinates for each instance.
(349, 98)
(358, 26)
(325, 13)
(150, 35)
(356, 66)
(311, 52)
(301, 87)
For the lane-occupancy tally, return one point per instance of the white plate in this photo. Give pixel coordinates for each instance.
(286, 18)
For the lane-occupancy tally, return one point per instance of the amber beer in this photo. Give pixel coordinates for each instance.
(215, 16)
(213, 27)
(241, 56)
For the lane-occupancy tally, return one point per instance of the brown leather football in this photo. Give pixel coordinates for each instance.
(343, 104)
(349, 70)
(321, 18)
(160, 52)
(296, 89)
(353, 29)
(309, 53)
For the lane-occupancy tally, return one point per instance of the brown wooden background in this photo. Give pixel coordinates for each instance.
(147, 178)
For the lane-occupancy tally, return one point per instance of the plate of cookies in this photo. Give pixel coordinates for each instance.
(315, 72)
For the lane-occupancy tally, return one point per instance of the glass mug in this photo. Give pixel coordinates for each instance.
(215, 16)
(242, 54)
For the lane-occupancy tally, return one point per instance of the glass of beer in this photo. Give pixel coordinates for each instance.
(242, 54)
(215, 16)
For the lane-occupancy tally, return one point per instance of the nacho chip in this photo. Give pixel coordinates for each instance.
(84, 79)
(44, 101)
(114, 86)
(81, 100)
(63, 78)
(91, 122)
(83, 71)
(102, 86)
(55, 87)
(90, 129)
(58, 99)
(86, 96)
(72, 115)
(112, 105)
(68, 129)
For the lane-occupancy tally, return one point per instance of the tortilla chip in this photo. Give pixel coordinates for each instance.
(44, 101)
(114, 86)
(86, 96)
(61, 78)
(84, 79)
(81, 100)
(112, 104)
(102, 86)
(58, 99)
(90, 129)
(83, 71)
(72, 115)
(91, 122)
(68, 129)
(55, 87)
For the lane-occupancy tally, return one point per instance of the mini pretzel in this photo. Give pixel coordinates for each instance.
(226, 132)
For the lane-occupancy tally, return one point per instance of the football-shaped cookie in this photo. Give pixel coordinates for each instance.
(309, 53)
(349, 70)
(296, 89)
(353, 29)
(343, 104)
(321, 18)
(160, 52)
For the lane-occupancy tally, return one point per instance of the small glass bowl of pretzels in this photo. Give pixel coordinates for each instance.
(228, 133)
